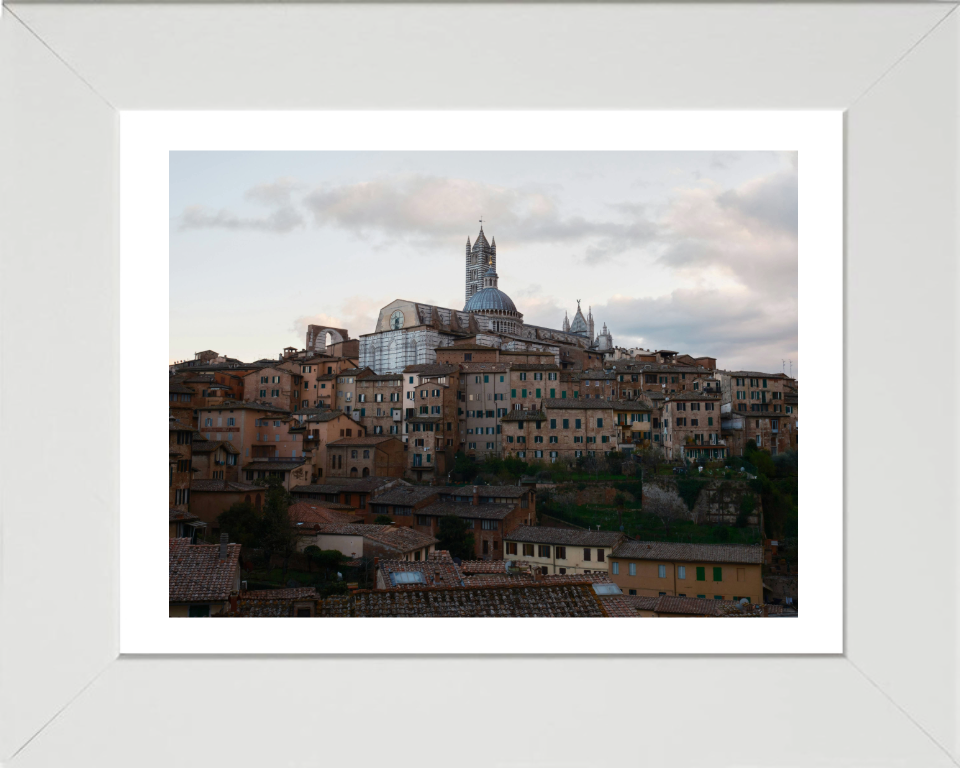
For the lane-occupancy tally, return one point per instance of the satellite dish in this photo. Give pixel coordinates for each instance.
(744, 601)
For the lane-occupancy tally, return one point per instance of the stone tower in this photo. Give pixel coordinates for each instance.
(479, 259)
(590, 322)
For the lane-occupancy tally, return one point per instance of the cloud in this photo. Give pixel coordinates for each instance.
(278, 195)
(739, 328)
(733, 251)
(358, 314)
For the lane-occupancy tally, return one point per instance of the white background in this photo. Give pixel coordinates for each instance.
(145, 142)
(65, 697)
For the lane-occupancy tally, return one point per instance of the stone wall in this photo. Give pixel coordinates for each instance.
(719, 500)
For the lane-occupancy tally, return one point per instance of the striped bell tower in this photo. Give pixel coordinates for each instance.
(479, 259)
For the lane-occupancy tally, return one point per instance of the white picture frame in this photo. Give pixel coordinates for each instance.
(66, 71)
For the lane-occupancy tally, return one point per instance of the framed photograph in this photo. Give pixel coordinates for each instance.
(316, 421)
(314, 211)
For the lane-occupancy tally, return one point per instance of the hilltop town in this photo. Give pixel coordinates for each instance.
(462, 462)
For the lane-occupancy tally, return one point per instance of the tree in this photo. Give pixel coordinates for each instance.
(277, 535)
(663, 504)
(325, 558)
(651, 455)
(619, 501)
(242, 523)
(383, 520)
(464, 468)
(452, 536)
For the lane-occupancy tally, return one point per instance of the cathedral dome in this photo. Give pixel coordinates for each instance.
(490, 299)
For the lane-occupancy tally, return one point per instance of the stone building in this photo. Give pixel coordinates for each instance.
(215, 460)
(561, 429)
(409, 333)
(369, 456)
(706, 571)
(755, 407)
(181, 464)
(691, 426)
(274, 385)
(431, 429)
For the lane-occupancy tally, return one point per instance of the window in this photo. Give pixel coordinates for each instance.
(560, 553)
(566, 423)
(528, 550)
(489, 525)
(543, 550)
(615, 569)
(422, 520)
(701, 574)
(599, 555)
(576, 423)
(599, 423)
(511, 548)
(586, 555)
(632, 569)
(632, 592)
(681, 572)
(717, 573)
(661, 571)
(198, 611)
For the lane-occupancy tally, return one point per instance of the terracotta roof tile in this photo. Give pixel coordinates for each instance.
(197, 574)
(571, 537)
(698, 553)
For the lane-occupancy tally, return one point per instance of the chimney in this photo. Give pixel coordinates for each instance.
(476, 496)
(234, 602)
(224, 540)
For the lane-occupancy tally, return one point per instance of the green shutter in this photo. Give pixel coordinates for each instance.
(599, 423)
(538, 393)
(513, 393)
(523, 393)
(553, 393)
(701, 573)
(717, 573)
(576, 394)
(563, 395)
(553, 423)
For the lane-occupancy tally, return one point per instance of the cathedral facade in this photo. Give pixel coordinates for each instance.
(409, 333)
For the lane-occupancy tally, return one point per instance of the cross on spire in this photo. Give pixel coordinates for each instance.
(481, 223)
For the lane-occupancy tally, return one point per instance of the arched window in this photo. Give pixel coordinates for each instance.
(353, 471)
(247, 498)
(366, 472)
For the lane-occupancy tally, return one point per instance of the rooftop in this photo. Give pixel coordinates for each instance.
(578, 404)
(223, 486)
(347, 442)
(237, 405)
(208, 446)
(273, 464)
(197, 574)
(538, 534)
(432, 369)
(407, 495)
(468, 511)
(695, 553)
(438, 570)
(484, 491)
(344, 484)
(309, 514)
(395, 536)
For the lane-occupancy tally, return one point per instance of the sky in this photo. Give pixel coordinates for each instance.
(690, 251)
